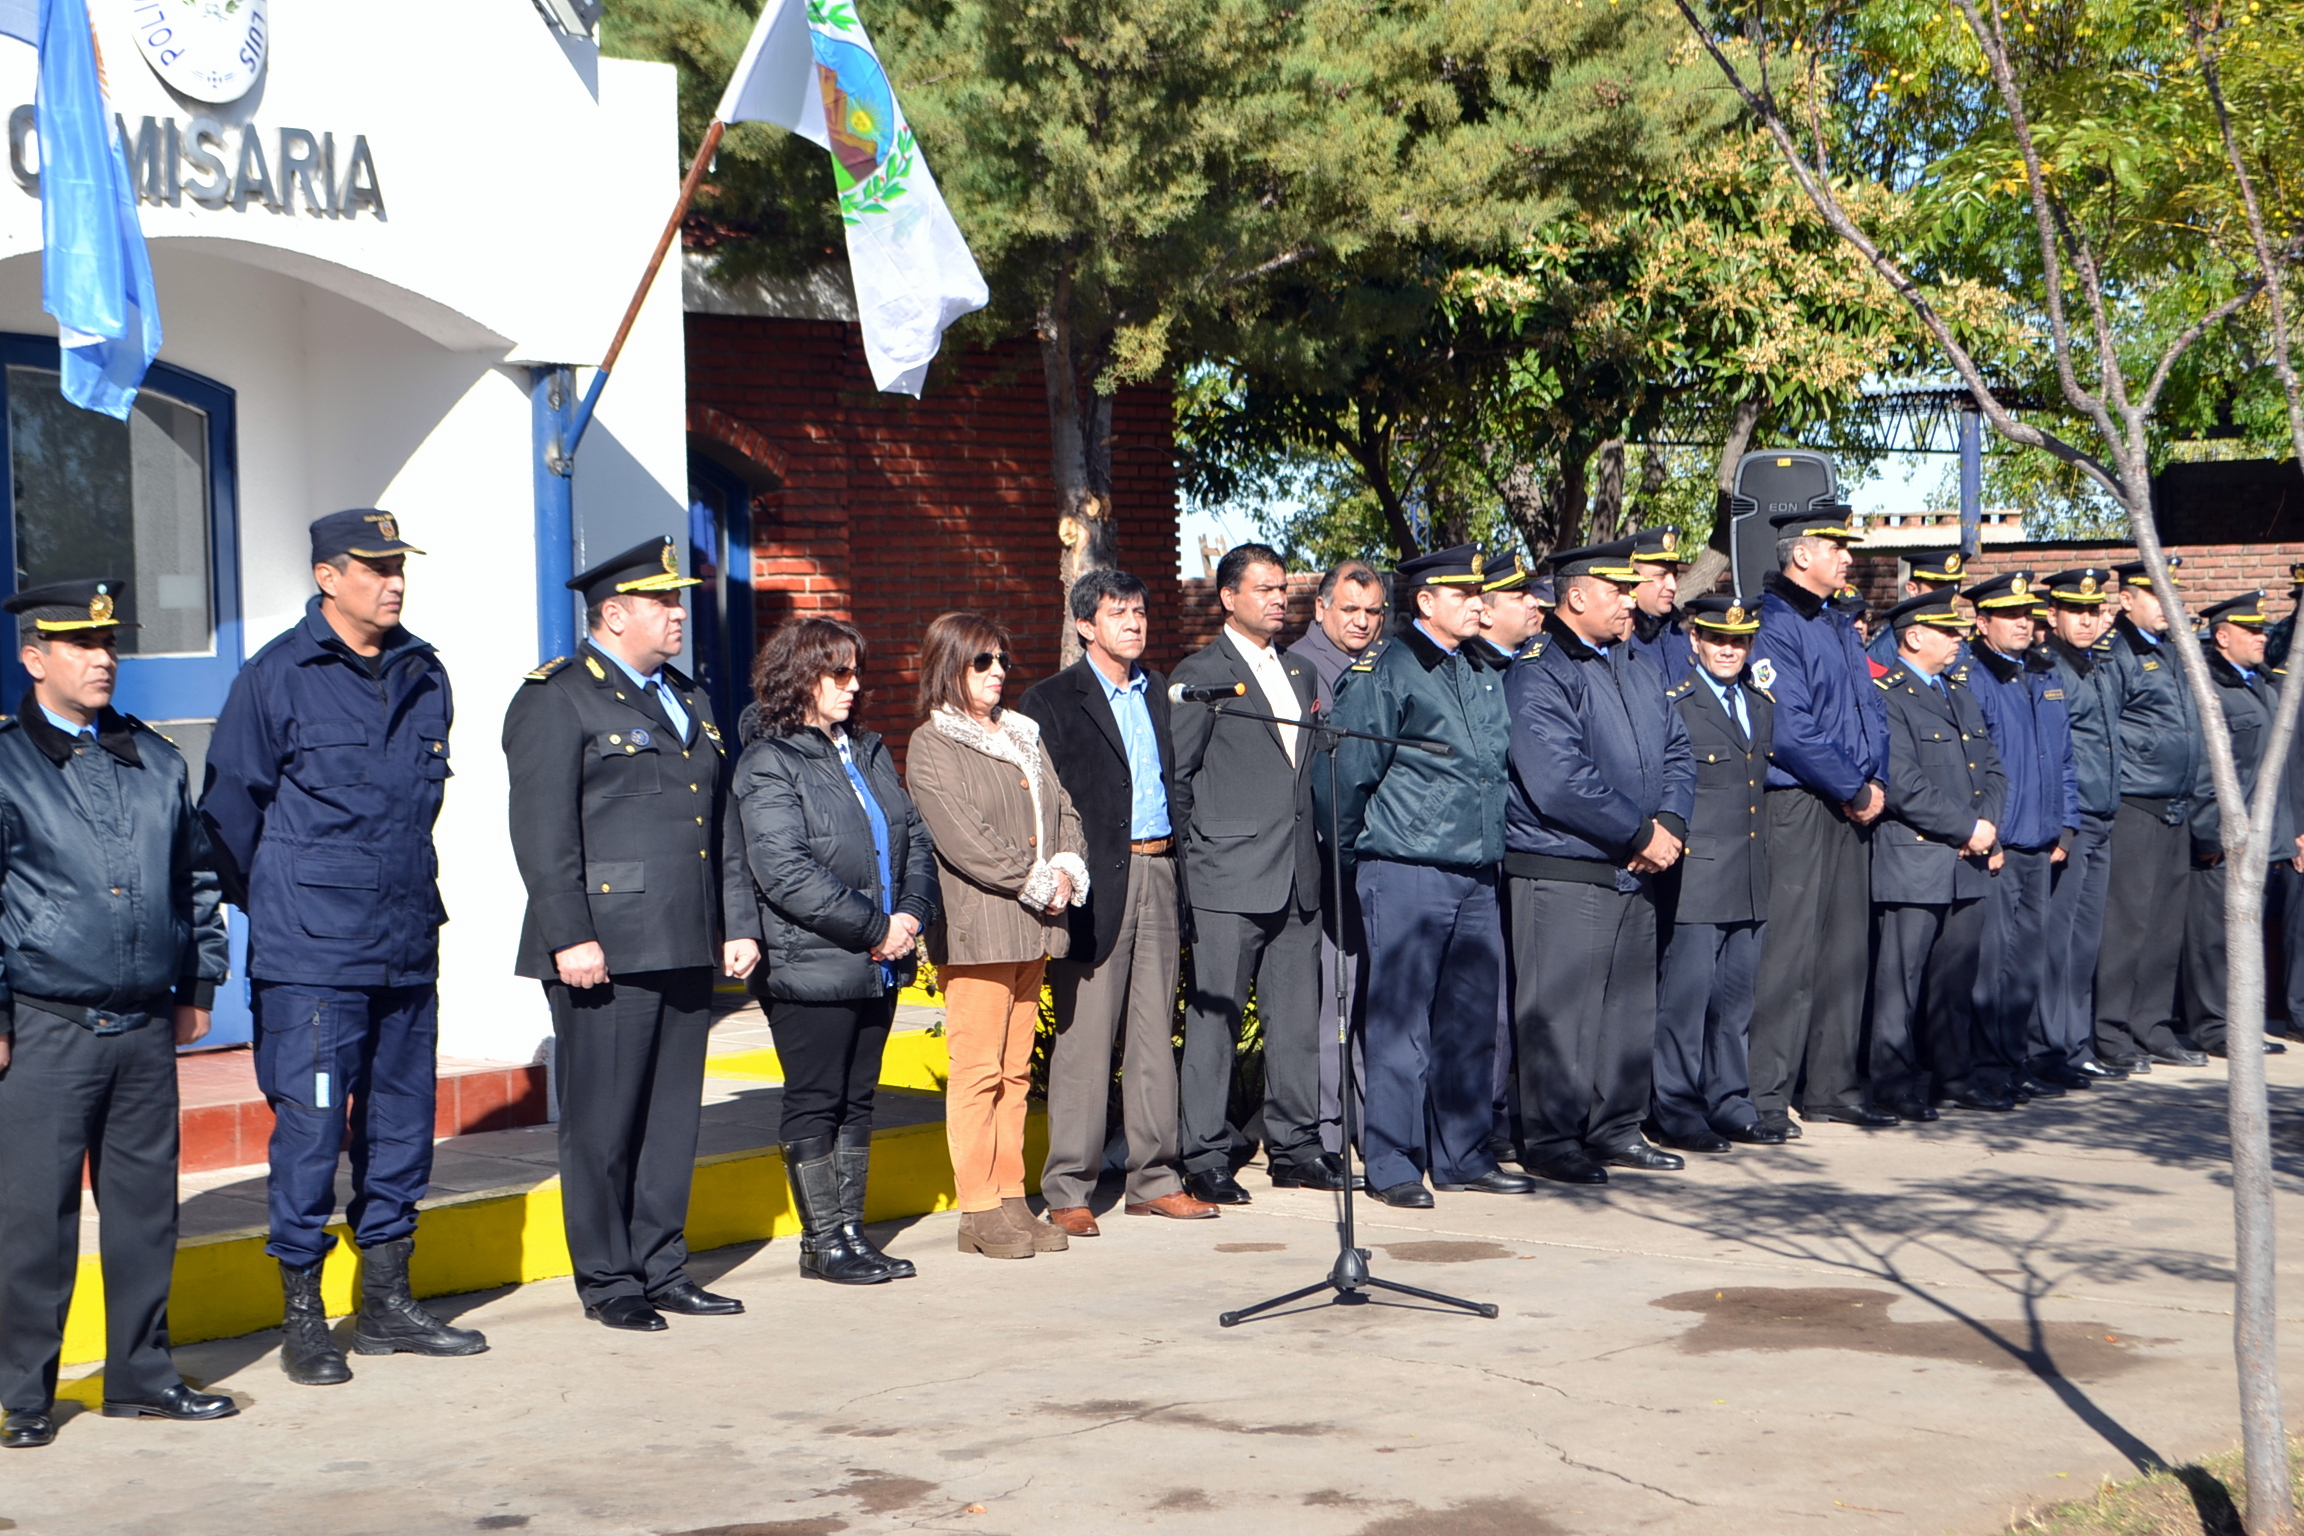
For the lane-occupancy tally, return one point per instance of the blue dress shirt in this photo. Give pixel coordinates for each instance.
(1732, 703)
(68, 727)
(1148, 791)
(664, 696)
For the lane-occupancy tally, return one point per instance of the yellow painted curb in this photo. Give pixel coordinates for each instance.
(226, 1286)
(915, 1060)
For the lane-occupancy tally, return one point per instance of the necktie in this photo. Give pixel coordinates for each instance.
(1735, 698)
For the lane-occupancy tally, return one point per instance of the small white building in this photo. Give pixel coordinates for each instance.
(372, 229)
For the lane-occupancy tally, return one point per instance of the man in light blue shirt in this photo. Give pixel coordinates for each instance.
(652, 688)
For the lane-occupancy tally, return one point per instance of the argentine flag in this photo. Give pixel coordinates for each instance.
(95, 275)
(811, 68)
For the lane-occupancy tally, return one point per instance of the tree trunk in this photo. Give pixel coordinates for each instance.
(1606, 521)
(1705, 574)
(1080, 455)
(1568, 492)
(2255, 1320)
(1522, 492)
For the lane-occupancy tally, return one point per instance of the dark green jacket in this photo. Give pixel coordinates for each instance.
(1411, 806)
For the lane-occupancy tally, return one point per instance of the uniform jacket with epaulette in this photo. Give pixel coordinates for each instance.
(2023, 701)
(1946, 778)
(2159, 719)
(1599, 760)
(2248, 706)
(108, 890)
(619, 827)
(2092, 705)
(1831, 733)
(1723, 875)
(1407, 805)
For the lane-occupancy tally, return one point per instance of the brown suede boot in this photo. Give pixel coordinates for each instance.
(1046, 1236)
(991, 1234)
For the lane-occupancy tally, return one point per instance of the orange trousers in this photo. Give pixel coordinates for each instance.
(990, 1015)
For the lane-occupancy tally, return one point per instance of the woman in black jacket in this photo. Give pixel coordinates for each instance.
(847, 879)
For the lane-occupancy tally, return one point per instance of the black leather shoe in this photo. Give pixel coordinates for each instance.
(2068, 1078)
(689, 1299)
(631, 1313)
(25, 1430)
(1706, 1141)
(2101, 1071)
(1870, 1118)
(1911, 1109)
(1500, 1149)
(1760, 1134)
(1494, 1182)
(1983, 1099)
(176, 1402)
(1789, 1127)
(1639, 1154)
(1410, 1197)
(1569, 1168)
(1325, 1172)
(1216, 1186)
(2036, 1087)
(2179, 1056)
(2271, 1048)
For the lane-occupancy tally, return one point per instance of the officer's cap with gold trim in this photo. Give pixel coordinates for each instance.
(652, 565)
(1722, 614)
(363, 531)
(1934, 609)
(1658, 546)
(61, 606)
(2247, 608)
(1939, 570)
(1465, 566)
(2133, 574)
(1850, 602)
(1829, 521)
(1515, 577)
(2013, 590)
(1609, 562)
(2084, 587)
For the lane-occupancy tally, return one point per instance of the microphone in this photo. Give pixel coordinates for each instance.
(1194, 693)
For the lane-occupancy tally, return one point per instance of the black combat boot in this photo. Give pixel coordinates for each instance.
(852, 1159)
(308, 1353)
(391, 1320)
(825, 1252)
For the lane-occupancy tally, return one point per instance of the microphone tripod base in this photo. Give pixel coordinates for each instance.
(1350, 1280)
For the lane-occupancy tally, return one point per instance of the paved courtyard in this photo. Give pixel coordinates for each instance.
(1923, 1330)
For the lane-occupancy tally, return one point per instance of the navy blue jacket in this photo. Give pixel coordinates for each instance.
(1831, 726)
(2159, 721)
(323, 784)
(2022, 698)
(1663, 644)
(2248, 705)
(2092, 704)
(1599, 758)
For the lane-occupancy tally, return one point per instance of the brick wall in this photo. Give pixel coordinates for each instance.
(892, 511)
(1200, 614)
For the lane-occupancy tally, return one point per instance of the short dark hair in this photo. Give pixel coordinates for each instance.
(1359, 571)
(802, 653)
(952, 643)
(1233, 568)
(1089, 592)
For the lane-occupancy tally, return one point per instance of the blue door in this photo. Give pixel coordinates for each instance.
(720, 551)
(152, 501)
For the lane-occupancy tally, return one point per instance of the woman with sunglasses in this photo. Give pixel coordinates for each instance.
(1008, 845)
(847, 880)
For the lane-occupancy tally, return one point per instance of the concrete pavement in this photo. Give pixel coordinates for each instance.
(1919, 1330)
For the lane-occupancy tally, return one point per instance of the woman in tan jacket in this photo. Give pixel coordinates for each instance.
(1008, 851)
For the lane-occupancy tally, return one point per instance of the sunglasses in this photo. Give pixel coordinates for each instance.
(983, 660)
(842, 675)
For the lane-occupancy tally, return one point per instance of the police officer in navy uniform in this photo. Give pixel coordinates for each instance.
(2160, 753)
(1510, 618)
(1602, 786)
(2016, 685)
(324, 779)
(1933, 856)
(637, 895)
(2063, 1030)
(1421, 836)
(1713, 904)
(111, 946)
(1927, 574)
(1826, 788)
(2249, 692)
(1658, 635)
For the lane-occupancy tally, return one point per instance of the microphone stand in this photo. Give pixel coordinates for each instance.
(1348, 1277)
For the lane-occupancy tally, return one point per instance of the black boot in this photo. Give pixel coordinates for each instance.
(824, 1249)
(852, 1159)
(391, 1320)
(308, 1353)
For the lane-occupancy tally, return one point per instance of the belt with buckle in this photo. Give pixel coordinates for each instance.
(1153, 847)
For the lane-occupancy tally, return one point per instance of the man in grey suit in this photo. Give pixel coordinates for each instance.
(1243, 803)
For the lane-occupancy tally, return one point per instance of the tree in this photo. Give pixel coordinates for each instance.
(2107, 135)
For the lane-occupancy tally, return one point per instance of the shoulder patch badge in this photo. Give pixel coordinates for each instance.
(592, 665)
(539, 674)
(1764, 672)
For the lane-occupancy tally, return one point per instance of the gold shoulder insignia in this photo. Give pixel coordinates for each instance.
(592, 665)
(1881, 683)
(541, 673)
(1365, 666)
(1535, 647)
(1764, 693)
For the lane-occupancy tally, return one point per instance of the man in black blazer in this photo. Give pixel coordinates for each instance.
(1244, 810)
(1713, 904)
(1932, 862)
(1105, 723)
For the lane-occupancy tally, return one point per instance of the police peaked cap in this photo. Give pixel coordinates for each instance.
(1658, 546)
(1723, 614)
(363, 531)
(2013, 590)
(1826, 521)
(2247, 608)
(1466, 565)
(68, 605)
(1941, 569)
(2086, 587)
(1609, 562)
(1514, 578)
(2133, 574)
(1934, 609)
(1849, 601)
(652, 565)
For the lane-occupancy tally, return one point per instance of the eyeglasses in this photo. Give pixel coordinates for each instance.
(983, 660)
(842, 675)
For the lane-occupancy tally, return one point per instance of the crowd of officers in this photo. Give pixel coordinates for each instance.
(1603, 877)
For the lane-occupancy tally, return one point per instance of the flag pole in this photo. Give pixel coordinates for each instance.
(688, 186)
